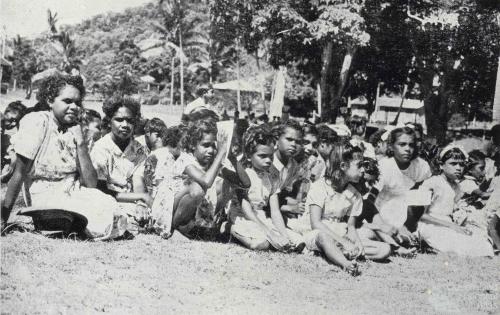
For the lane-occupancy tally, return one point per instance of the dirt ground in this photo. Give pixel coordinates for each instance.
(151, 275)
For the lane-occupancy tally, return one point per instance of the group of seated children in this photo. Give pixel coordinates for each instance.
(281, 185)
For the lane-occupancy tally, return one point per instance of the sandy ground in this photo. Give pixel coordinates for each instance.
(150, 275)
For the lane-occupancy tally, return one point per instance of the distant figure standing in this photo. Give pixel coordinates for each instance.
(205, 94)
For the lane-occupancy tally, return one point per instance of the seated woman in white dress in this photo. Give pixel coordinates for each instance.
(54, 163)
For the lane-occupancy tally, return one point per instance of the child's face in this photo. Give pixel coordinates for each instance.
(11, 119)
(309, 144)
(403, 148)
(477, 171)
(94, 129)
(453, 168)
(324, 149)
(289, 142)
(262, 159)
(122, 124)
(354, 170)
(67, 105)
(358, 127)
(205, 149)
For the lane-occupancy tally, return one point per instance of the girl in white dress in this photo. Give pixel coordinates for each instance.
(400, 171)
(436, 226)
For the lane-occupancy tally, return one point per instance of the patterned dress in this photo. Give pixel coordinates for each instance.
(53, 181)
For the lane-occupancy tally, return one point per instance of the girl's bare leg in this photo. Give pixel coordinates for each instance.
(333, 254)
(375, 250)
(185, 204)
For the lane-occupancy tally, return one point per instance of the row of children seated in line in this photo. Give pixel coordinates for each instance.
(278, 186)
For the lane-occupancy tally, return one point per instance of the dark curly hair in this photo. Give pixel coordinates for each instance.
(111, 106)
(280, 129)
(254, 136)
(195, 133)
(155, 125)
(172, 136)
(475, 157)
(51, 86)
(326, 134)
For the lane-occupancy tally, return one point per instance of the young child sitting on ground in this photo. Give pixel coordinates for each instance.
(436, 226)
(250, 225)
(192, 201)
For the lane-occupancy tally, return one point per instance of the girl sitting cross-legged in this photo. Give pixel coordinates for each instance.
(332, 208)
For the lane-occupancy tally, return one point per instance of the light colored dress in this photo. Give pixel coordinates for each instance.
(53, 179)
(393, 186)
(262, 186)
(445, 195)
(175, 181)
(158, 165)
(337, 208)
(115, 166)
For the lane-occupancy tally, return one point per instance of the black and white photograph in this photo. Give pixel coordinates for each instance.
(250, 157)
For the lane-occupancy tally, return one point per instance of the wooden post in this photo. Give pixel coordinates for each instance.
(238, 74)
(496, 100)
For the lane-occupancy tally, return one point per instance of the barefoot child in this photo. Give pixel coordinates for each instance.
(250, 225)
(401, 171)
(334, 204)
(436, 226)
(192, 197)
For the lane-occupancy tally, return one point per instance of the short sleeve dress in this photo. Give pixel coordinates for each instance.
(445, 195)
(53, 180)
(393, 186)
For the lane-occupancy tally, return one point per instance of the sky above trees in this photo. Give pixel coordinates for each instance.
(29, 17)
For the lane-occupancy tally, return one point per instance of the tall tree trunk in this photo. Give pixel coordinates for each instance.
(326, 63)
(436, 109)
(182, 67)
(172, 78)
(405, 89)
(342, 81)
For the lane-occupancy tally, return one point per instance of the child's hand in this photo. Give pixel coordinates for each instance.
(405, 235)
(147, 199)
(222, 139)
(278, 241)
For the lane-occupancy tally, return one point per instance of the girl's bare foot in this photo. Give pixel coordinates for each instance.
(352, 269)
(406, 252)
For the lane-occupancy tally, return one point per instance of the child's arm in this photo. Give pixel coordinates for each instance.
(278, 241)
(206, 179)
(353, 233)
(133, 197)
(276, 215)
(427, 218)
(23, 164)
(240, 177)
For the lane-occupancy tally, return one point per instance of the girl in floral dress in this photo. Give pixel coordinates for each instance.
(54, 163)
